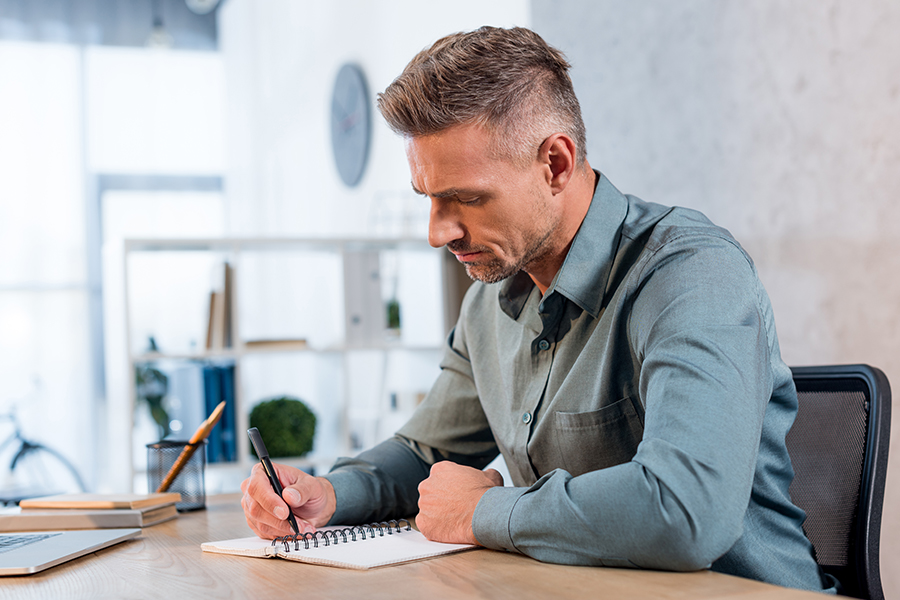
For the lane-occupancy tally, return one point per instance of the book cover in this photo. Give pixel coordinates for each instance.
(215, 333)
(227, 424)
(218, 385)
(276, 345)
(219, 335)
(228, 308)
(35, 519)
(212, 395)
(102, 501)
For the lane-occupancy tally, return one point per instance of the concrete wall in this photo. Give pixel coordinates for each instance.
(781, 121)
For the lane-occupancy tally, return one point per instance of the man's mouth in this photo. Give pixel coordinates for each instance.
(466, 256)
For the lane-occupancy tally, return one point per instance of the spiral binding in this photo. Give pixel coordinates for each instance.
(332, 537)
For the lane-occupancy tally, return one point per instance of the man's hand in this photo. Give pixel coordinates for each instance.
(311, 500)
(447, 501)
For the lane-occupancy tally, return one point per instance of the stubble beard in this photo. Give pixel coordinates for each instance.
(496, 270)
(536, 248)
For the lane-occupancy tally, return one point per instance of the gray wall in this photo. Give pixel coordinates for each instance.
(781, 121)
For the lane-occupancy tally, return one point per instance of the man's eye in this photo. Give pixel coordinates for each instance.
(469, 201)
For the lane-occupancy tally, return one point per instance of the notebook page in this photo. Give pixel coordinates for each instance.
(395, 548)
(250, 546)
(381, 550)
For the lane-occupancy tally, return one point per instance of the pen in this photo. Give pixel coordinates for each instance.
(201, 434)
(263, 455)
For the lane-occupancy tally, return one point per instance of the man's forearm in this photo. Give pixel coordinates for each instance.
(378, 484)
(623, 516)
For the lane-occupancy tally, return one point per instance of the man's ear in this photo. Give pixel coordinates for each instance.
(558, 153)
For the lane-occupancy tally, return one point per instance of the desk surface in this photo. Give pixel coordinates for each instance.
(166, 562)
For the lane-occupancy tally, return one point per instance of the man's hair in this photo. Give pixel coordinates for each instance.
(508, 80)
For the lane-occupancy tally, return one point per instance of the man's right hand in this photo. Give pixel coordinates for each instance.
(311, 499)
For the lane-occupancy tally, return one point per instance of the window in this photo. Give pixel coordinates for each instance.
(75, 119)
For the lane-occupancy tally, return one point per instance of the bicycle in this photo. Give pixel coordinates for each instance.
(30, 464)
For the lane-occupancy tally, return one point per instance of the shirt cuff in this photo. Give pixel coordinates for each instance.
(348, 494)
(490, 522)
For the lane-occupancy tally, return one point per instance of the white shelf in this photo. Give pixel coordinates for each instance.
(356, 255)
(235, 353)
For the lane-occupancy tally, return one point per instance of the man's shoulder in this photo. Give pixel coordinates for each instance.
(660, 225)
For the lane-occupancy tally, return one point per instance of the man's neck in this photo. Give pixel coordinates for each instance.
(579, 193)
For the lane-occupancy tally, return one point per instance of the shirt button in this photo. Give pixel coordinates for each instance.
(526, 418)
(543, 344)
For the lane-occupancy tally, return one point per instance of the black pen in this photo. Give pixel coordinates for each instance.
(263, 455)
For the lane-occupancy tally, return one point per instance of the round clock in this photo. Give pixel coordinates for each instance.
(350, 123)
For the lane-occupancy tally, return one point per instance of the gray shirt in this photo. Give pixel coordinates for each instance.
(641, 405)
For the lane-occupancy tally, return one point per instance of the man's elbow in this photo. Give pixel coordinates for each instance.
(691, 546)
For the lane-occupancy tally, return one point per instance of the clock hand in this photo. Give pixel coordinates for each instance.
(349, 121)
(338, 107)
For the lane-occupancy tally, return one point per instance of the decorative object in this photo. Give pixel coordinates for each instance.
(351, 129)
(287, 426)
(151, 386)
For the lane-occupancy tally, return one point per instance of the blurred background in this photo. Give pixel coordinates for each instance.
(146, 144)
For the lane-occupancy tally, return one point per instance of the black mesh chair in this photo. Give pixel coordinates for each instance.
(839, 449)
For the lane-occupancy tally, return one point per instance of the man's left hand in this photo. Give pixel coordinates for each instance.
(447, 501)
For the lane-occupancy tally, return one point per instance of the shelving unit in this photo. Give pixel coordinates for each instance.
(330, 292)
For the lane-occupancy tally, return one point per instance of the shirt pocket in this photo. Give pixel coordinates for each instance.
(597, 439)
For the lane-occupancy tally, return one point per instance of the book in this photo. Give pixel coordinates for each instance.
(218, 385)
(102, 501)
(228, 424)
(228, 308)
(275, 345)
(219, 335)
(215, 332)
(16, 518)
(349, 547)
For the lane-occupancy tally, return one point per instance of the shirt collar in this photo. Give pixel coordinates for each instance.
(584, 275)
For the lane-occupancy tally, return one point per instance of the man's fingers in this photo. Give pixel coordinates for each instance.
(292, 497)
(495, 476)
(259, 487)
(311, 500)
(261, 521)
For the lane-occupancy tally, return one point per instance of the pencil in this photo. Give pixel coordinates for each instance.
(199, 435)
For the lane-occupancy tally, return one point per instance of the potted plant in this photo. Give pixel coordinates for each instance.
(286, 424)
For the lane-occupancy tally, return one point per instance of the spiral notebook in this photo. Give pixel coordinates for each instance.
(350, 547)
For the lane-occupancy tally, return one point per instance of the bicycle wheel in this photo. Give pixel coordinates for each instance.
(38, 467)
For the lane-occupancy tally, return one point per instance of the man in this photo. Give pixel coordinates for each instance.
(621, 355)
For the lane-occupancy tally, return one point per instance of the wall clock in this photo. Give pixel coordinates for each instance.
(351, 129)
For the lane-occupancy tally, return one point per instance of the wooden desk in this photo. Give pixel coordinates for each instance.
(167, 563)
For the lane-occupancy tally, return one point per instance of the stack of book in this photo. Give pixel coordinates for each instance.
(89, 511)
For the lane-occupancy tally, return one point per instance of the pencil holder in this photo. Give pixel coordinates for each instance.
(190, 482)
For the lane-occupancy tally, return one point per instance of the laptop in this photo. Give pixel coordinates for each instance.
(23, 553)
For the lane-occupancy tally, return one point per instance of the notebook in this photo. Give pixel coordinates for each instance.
(102, 501)
(350, 547)
(29, 552)
(34, 519)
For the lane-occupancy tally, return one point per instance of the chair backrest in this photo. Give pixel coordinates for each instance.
(839, 450)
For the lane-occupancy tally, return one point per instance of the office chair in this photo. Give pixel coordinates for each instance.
(839, 450)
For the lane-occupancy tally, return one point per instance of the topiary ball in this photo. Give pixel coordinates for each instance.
(286, 424)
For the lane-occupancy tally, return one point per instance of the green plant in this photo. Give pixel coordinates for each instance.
(286, 424)
(393, 314)
(151, 387)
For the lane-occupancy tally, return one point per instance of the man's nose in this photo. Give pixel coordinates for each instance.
(444, 224)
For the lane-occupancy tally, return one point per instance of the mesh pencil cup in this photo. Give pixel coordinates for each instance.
(189, 482)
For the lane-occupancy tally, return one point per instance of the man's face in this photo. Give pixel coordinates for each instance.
(496, 216)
